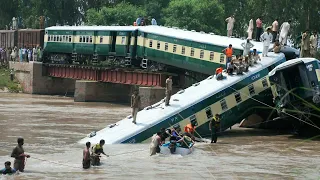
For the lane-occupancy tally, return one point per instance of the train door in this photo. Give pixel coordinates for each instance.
(128, 43)
(113, 36)
(3, 40)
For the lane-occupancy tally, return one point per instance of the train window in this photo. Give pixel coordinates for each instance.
(80, 40)
(54, 38)
(123, 40)
(221, 58)
(70, 39)
(211, 56)
(87, 39)
(264, 83)
(201, 54)
(224, 105)
(49, 38)
(174, 48)
(193, 120)
(150, 43)
(251, 90)
(158, 45)
(238, 97)
(101, 39)
(209, 113)
(64, 38)
(60, 38)
(192, 52)
(166, 46)
(183, 51)
(90, 39)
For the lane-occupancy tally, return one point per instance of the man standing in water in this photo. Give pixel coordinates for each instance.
(214, 127)
(97, 150)
(155, 144)
(18, 154)
(86, 156)
(168, 90)
(135, 105)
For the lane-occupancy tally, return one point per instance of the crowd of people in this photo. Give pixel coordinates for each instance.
(22, 54)
(185, 139)
(143, 21)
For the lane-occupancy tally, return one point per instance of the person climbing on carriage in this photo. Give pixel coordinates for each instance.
(175, 136)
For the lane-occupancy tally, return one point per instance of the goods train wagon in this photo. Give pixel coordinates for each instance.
(30, 38)
(90, 41)
(195, 51)
(8, 38)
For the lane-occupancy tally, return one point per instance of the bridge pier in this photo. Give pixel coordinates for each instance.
(30, 76)
(93, 91)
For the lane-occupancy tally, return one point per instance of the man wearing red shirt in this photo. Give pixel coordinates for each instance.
(259, 29)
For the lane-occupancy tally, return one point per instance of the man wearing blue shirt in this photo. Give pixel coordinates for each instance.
(7, 169)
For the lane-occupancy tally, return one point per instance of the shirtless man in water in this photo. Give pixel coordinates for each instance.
(18, 154)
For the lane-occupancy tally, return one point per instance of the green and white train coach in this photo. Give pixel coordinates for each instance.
(77, 43)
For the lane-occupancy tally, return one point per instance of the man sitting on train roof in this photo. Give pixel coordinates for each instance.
(230, 67)
(256, 56)
(239, 67)
(246, 64)
(190, 129)
(219, 71)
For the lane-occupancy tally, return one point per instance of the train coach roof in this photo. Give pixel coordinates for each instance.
(93, 28)
(291, 63)
(217, 40)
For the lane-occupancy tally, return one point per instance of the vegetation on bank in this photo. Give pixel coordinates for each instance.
(5, 82)
(203, 15)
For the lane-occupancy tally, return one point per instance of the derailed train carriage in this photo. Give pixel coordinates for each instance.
(297, 94)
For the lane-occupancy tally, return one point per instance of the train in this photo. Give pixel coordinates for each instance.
(296, 94)
(155, 48)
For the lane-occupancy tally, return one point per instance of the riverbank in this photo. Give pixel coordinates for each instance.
(6, 85)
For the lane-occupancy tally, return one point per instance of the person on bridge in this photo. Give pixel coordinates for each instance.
(305, 44)
(259, 29)
(313, 44)
(284, 32)
(266, 38)
(250, 29)
(190, 129)
(97, 150)
(275, 29)
(214, 127)
(19, 155)
(86, 156)
(7, 169)
(230, 20)
(228, 52)
(168, 90)
(135, 105)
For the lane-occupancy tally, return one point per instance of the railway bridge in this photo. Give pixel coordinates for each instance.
(91, 83)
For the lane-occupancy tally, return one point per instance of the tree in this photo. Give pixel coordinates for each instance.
(205, 15)
(121, 14)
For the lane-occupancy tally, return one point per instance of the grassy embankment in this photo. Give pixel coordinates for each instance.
(5, 82)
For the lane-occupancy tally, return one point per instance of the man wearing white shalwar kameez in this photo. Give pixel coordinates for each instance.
(250, 29)
(284, 31)
(230, 20)
(246, 47)
(266, 38)
(313, 44)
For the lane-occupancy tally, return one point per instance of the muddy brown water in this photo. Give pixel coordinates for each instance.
(52, 126)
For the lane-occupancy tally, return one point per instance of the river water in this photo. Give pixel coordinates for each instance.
(51, 127)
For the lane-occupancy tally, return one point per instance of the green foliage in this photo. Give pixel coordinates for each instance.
(205, 15)
(200, 15)
(5, 81)
(121, 14)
